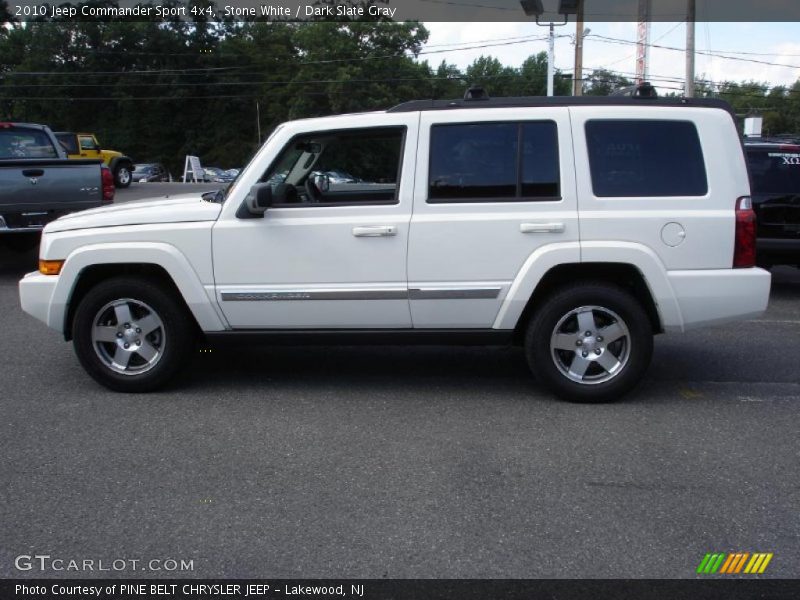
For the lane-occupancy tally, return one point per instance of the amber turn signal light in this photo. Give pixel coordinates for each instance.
(50, 267)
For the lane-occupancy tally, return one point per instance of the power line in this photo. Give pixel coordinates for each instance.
(612, 40)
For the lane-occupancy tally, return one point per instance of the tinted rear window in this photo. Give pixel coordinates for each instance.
(774, 171)
(25, 143)
(645, 158)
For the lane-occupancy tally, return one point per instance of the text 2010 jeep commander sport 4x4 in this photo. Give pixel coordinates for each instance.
(575, 227)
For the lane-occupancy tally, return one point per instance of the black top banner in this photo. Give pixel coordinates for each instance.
(401, 589)
(407, 10)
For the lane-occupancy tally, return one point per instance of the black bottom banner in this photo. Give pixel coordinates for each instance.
(401, 589)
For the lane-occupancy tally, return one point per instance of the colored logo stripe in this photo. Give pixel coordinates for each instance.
(734, 563)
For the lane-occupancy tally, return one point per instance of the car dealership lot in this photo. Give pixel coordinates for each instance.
(403, 462)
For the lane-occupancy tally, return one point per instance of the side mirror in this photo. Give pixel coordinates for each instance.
(259, 199)
(322, 181)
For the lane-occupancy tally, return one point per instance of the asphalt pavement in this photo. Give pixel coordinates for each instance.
(402, 462)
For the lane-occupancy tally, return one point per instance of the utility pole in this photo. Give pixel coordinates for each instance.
(577, 78)
(534, 8)
(642, 41)
(690, 16)
(551, 51)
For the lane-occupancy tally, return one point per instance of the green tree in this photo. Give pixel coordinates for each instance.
(602, 83)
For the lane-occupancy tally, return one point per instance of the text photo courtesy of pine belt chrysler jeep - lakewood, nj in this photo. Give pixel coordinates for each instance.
(577, 228)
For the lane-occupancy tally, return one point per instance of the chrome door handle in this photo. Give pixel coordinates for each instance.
(375, 231)
(541, 227)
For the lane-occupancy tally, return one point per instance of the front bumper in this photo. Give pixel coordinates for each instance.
(36, 297)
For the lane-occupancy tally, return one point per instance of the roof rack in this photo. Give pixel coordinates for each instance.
(534, 101)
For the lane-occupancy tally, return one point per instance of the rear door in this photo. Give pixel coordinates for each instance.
(493, 186)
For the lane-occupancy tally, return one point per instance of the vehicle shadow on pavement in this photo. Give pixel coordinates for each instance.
(381, 368)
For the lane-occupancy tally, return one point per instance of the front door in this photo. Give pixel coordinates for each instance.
(331, 251)
(89, 147)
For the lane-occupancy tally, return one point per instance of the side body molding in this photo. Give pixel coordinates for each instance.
(163, 255)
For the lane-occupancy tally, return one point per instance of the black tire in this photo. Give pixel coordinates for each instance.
(123, 175)
(606, 305)
(173, 341)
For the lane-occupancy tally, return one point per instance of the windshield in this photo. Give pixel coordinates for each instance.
(775, 171)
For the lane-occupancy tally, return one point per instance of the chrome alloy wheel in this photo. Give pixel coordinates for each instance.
(124, 176)
(590, 344)
(128, 336)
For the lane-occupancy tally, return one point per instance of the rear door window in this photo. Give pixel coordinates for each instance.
(494, 162)
(641, 158)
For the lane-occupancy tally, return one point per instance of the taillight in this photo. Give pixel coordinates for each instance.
(108, 184)
(744, 250)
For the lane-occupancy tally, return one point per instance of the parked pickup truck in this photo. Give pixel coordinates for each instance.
(85, 145)
(576, 228)
(38, 184)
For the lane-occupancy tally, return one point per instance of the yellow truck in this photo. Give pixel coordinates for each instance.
(85, 145)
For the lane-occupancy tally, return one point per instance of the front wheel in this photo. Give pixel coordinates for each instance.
(590, 342)
(122, 176)
(131, 335)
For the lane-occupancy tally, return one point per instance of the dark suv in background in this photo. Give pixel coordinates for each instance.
(774, 165)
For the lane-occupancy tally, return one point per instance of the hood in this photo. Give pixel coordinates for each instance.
(176, 209)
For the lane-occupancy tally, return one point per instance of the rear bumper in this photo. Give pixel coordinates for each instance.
(709, 297)
(36, 294)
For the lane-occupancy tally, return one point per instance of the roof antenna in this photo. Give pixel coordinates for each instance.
(476, 92)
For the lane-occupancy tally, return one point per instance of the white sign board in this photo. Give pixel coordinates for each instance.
(752, 126)
(192, 169)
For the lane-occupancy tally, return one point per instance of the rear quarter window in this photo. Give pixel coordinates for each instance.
(641, 158)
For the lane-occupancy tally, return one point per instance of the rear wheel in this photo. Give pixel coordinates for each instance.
(131, 335)
(590, 343)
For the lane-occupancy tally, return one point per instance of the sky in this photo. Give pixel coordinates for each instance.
(758, 43)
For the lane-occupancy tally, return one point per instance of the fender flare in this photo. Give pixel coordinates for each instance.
(163, 255)
(545, 258)
(120, 159)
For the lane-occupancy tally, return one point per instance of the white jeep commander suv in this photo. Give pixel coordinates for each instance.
(575, 227)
